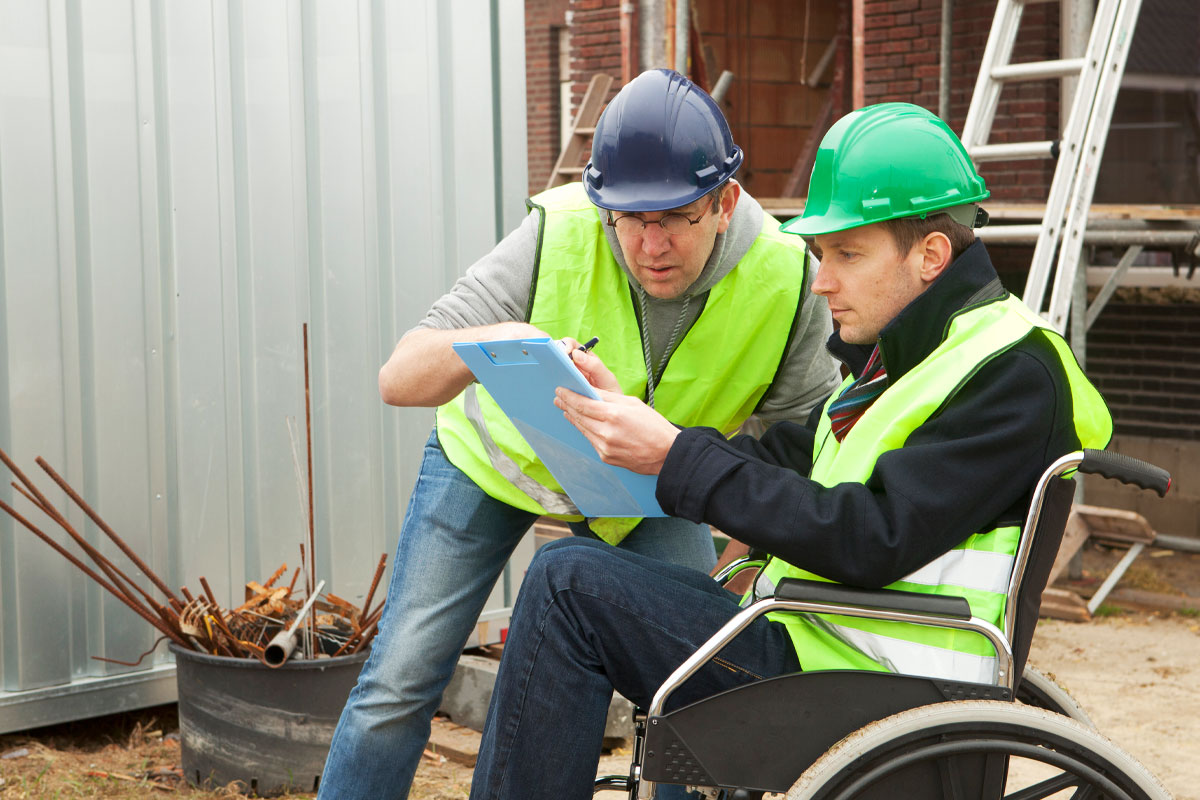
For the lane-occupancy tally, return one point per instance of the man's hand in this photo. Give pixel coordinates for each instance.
(625, 431)
(594, 370)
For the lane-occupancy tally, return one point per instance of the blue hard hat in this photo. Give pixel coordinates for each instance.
(661, 143)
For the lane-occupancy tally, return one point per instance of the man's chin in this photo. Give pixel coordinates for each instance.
(662, 290)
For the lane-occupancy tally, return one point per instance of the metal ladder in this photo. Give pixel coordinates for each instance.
(1079, 150)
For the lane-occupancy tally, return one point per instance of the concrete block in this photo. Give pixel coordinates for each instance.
(466, 698)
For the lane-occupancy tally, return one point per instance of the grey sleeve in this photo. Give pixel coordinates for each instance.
(808, 373)
(494, 289)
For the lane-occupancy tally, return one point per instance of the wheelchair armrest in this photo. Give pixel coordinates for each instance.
(838, 594)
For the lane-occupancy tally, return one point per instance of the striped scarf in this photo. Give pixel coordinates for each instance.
(858, 396)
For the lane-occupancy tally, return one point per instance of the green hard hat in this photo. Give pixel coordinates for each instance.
(884, 162)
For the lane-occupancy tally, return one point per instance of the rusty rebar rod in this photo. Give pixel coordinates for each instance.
(102, 525)
(374, 583)
(137, 609)
(366, 636)
(274, 576)
(120, 580)
(39, 500)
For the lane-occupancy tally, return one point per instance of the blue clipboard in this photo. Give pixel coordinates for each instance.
(521, 376)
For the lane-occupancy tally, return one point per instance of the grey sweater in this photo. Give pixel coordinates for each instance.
(496, 289)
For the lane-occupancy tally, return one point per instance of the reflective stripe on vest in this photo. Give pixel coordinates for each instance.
(980, 567)
(716, 377)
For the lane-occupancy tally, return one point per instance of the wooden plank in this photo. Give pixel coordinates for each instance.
(1074, 536)
(453, 742)
(1064, 604)
(1115, 524)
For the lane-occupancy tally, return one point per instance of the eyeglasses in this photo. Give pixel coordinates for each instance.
(673, 224)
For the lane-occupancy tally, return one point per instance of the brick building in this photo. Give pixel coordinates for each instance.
(790, 79)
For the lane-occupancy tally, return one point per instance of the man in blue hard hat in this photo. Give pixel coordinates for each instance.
(701, 308)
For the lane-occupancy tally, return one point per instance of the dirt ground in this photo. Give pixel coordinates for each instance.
(1135, 671)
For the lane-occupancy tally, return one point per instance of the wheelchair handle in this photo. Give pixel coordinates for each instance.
(1126, 469)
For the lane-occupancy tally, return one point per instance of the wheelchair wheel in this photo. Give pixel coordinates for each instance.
(1041, 691)
(1064, 755)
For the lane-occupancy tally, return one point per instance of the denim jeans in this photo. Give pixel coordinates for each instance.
(453, 546)
(590, 619)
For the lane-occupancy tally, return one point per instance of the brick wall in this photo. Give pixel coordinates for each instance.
(543, 20)
(901, 62)
(771, 48)
(1143, 358)
(595, 44)
(761, 41)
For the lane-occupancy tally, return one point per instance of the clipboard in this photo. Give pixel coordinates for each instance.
(521, 376)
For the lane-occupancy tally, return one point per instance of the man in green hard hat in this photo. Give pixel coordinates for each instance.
(914, 475)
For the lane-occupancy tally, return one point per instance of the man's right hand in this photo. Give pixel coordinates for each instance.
(594, 370)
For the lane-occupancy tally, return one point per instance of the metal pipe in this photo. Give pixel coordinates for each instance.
(683, 24)
(857, 42)
(722, 86)
(280, 647)
(312, 550)
(1075, 26)
(1183, 543)
(628, 41)
(1028, 234)
(944, 60)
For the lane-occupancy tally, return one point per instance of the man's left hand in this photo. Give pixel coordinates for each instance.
(625, 431)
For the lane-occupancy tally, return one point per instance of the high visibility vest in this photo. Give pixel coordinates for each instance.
(980, 567)
(716, 376)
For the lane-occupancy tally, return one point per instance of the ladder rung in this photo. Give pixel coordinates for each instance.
(571, 170)
(1035, 70)
(585, 131)
(1003, 152)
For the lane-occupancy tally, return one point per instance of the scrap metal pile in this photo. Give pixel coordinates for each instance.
(274, 620)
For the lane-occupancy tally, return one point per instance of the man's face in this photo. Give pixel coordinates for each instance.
(866, 279)
(667, 264)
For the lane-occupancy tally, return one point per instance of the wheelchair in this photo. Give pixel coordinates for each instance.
(861, 734)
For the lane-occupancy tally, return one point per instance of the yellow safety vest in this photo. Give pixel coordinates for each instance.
(716, 376)
(979, 568)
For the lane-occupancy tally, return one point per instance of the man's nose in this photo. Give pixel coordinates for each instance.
(655, 241)
(823, 282)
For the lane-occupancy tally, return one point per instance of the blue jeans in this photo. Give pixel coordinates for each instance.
(590, 619)
(453, 546)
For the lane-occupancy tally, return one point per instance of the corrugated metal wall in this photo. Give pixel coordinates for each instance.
(182, 185)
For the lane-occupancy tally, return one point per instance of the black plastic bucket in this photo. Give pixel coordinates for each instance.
(270, 729)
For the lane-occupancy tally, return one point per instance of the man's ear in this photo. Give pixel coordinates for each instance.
(729, 201)
(936, 252)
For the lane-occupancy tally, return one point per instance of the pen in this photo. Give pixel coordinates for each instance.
(589, 345)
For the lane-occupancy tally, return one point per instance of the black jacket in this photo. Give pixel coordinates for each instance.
(967, 469)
